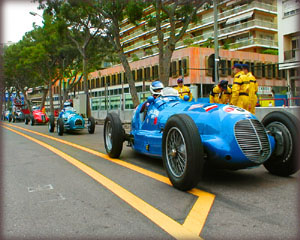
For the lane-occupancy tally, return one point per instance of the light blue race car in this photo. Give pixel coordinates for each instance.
(68, 120)
(189, 135)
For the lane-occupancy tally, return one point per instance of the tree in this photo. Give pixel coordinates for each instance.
(179, 14)
(112, 13)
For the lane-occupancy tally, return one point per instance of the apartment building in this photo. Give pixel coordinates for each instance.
(289, 43)
(247, 25)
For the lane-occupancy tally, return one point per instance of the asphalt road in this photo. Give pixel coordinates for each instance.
(60, 191)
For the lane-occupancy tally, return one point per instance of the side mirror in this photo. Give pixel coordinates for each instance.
(186, 98)
(150, 99)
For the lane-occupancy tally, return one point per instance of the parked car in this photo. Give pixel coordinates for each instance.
(7, 115)
(36, 117)
(69, 120)
(189, 135)
(18, 116)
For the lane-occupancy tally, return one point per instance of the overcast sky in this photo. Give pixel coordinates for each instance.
(17, 20)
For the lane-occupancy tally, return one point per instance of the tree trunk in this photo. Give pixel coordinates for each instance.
(60, 97)
(51, 99)
(85, 80)
(27, 102)
(45, 93)
(133, 92)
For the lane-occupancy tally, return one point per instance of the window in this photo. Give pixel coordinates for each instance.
(229, 67)
(125, 78)
(133, 75)
(114, 80)
(119, 79)
(269, 70)
(174, 68)
(140, 75)
(107, 80)
(93, 83)
(97, 82)
(258, 67)
(89, 84)
(102, 82)
(223, 68)
(155, 72)
(147, 73)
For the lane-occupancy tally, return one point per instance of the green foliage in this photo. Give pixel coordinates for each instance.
(134, 11)
(270, 51)
(135, 57)
(188, 41)
(227, 44)
(209, 43)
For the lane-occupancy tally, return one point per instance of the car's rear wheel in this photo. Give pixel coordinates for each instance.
(60, 127)
(284, 127)
(32, 120)
(182, 152)
(51, 124)
(10, 118)
(91, 125)
(13, 118)
(114, 135)
(27, 119)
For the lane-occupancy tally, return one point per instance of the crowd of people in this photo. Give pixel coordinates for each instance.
(242, 94)
(243, 91)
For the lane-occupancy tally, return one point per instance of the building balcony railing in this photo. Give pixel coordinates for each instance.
(254, 41)
(292, 55)
(252, 23)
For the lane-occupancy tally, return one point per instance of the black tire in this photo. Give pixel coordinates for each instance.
(32, 121)
(10, 118)
(51, 124)
(14, 119)
(60, 127)
(114, 135)
(181, 127)
(91, 125)
(27, 119)
(285, 128)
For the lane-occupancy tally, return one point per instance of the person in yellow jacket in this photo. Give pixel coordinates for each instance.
(253, 88)
(240, 88)
(183, 90)
(220, 93)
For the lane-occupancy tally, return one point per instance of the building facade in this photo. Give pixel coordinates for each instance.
(289, 43)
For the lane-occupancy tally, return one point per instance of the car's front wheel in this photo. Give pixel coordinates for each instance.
(114, 135)
(60, 127)
(182, 152)
(32, 120)
(284, 127)
(27, 119)
(51, 124)
(91, 125)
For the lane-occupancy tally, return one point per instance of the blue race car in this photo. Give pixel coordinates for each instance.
(69, 120)
(187, 135)
(7, 115)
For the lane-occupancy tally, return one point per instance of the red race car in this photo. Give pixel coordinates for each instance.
(37, 117)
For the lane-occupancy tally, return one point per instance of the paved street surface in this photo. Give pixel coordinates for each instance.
(66, 187)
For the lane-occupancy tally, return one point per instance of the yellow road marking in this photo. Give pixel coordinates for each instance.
(197, 216)
(160, 219)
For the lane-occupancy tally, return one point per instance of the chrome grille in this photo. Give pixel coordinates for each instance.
(78, 122)
(252, 140)
(43, 118)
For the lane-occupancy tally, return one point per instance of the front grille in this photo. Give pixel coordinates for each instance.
(252, 140)
(78, 122)
(43, 118)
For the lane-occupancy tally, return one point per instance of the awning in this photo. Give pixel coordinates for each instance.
(239, 17)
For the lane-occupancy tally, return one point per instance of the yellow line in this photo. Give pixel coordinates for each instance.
(160, 219)
(196, 218)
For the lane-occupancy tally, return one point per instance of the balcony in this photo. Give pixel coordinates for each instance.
(250, 24)
(292, 55)
(254, 41)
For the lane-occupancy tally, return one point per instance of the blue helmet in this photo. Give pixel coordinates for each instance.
(156, 88)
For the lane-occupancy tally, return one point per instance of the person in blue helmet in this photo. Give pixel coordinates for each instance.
(155, 88)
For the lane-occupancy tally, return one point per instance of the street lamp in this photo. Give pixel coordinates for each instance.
(35, 14)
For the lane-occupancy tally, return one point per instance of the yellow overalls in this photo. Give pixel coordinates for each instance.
(184, 91)
(240, 91)
(219, 96)
(253, 88)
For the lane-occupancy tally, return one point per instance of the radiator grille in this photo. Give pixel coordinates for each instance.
(252, 140)
(43, 118)
(78, 122)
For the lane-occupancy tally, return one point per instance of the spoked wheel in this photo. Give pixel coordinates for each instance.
(283, 126)
(51, 124)
(114, 135)
(91, 125)
(60, 127)
(183, 155)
